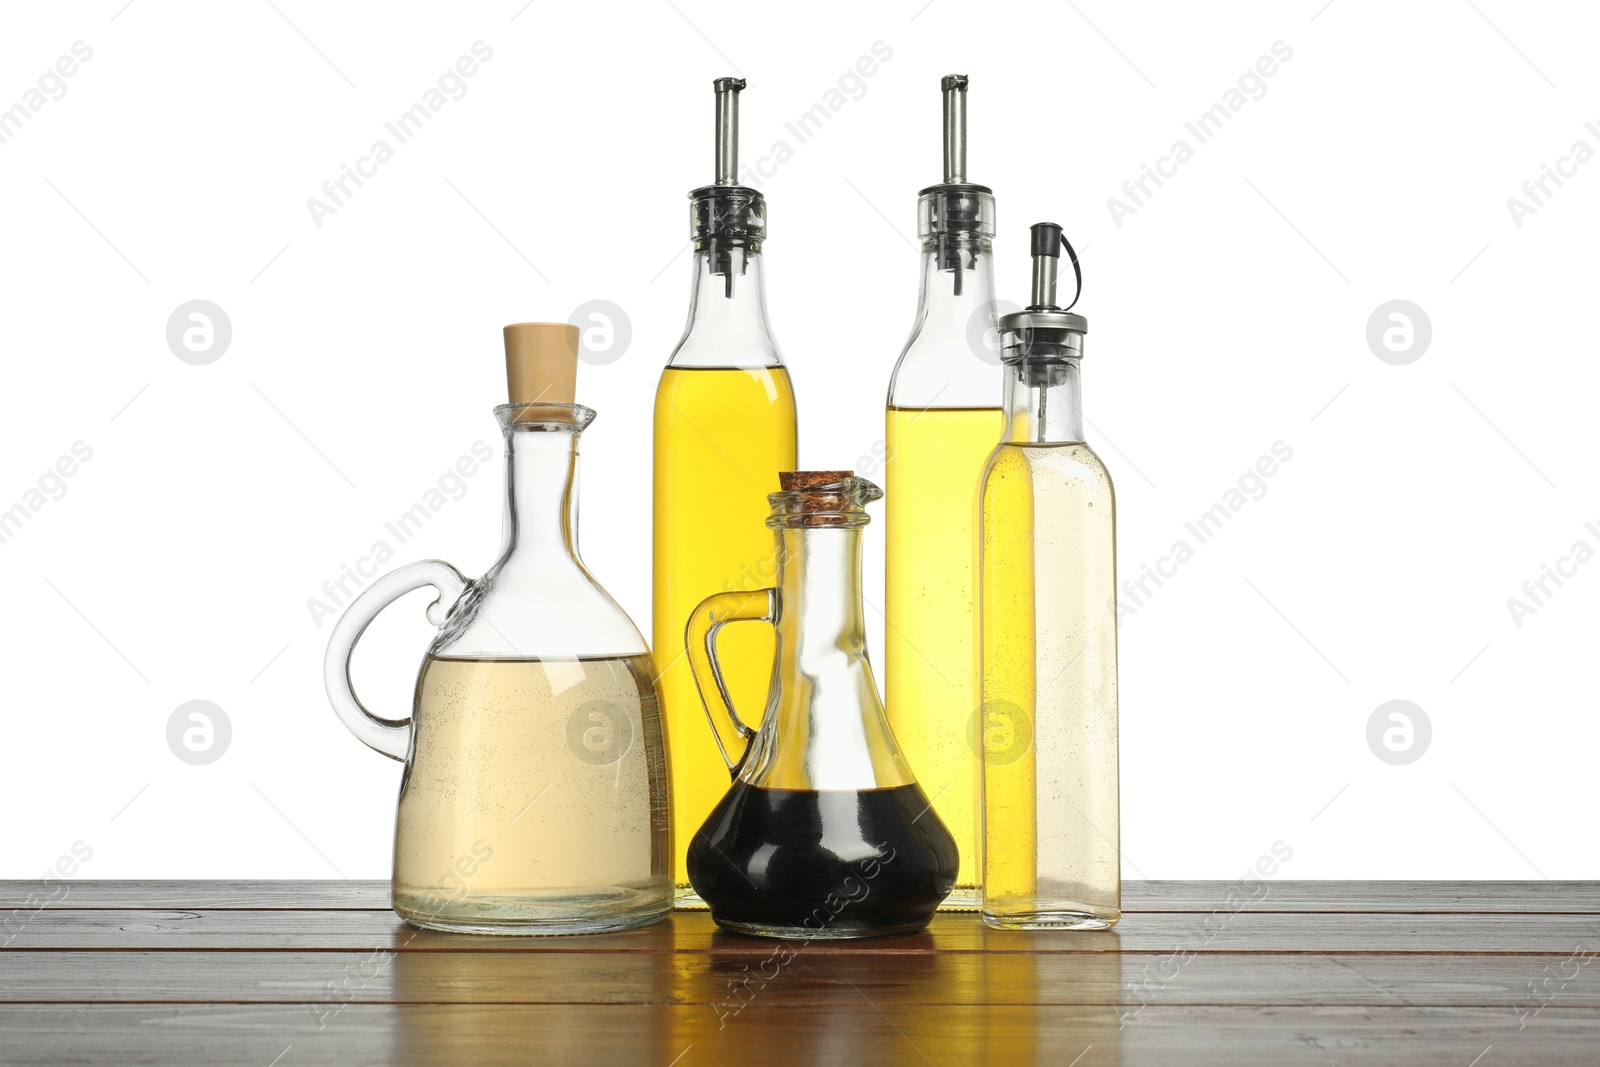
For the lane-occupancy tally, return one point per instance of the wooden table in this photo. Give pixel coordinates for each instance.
(1472, 974)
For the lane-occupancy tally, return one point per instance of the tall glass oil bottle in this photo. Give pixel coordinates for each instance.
(943, 421)
(1048, 635)
(724, 428)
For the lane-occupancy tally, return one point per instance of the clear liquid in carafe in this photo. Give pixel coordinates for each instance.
(536, 793)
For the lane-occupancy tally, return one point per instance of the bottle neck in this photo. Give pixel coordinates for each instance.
(819, 587)
(824, 727)
(957, 280)
(727, 310)
(1043, 402)
(541, 515)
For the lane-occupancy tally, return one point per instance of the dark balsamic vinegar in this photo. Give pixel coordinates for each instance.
(836, 863)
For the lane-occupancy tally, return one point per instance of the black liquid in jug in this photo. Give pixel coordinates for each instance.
(826, 863)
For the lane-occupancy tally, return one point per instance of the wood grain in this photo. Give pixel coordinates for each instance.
(776, 1035)
(1291, 973)
(824, 976)
(694, 932)
(1524, 898)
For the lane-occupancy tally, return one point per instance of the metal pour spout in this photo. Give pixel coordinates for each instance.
(1046, 258)
(727, 220)
(727, 90)
(955, 128)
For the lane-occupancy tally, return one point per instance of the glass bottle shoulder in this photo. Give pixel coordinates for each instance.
(708, 354)
(545, 604)
(942, 370)
(1051, 466)
(712, 388)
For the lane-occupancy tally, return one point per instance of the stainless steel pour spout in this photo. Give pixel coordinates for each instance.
(727, 90)
(955, 128)
(727, 219)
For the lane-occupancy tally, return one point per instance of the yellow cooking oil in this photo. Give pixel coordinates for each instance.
(722, 434)
(936, 458)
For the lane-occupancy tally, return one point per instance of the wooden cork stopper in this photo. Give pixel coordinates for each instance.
(817, 505)
(810, 479)
(541, 362)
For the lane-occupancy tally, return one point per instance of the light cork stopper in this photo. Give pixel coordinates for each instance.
(541, 362)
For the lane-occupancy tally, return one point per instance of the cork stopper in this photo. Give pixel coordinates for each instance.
(541, 364)
(810, 479)
(821, 498)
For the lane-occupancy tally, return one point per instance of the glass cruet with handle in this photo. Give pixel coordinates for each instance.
(825, 833)
(535, 796)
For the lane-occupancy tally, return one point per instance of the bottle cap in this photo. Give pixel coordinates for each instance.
(955, 206)
(541, 362)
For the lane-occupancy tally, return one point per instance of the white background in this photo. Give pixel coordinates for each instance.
(1227, 313)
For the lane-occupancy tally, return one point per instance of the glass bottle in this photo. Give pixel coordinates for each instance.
(943, 421)
(724, 428)
(1048, 635)
(825, 833)
(534, 799)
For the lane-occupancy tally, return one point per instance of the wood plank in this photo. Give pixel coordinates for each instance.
(322, 894)
(126, 929)
(1275, 895)
(687, 1036)
(1155, 896)
(1133, 982)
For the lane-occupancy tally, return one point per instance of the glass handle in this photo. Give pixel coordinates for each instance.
(392, 737)
(700, 640)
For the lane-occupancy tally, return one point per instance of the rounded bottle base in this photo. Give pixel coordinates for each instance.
(600, 913)
(1052, 919)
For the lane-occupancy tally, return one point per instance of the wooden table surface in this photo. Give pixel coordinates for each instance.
(279, 974)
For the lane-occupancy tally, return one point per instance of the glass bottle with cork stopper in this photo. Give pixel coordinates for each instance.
(825, 833)
(535, 794)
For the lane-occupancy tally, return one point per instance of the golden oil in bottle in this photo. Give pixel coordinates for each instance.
(722, 434)
(935, 462)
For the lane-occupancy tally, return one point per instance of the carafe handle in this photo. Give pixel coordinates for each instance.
(392, 737)
(700, 641)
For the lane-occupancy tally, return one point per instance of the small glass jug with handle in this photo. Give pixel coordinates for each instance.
(534, 799)
(825, 833)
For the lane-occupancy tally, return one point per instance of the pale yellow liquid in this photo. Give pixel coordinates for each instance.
(1049, 687)
(936, 461)
(535, 799)
(721, 437)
